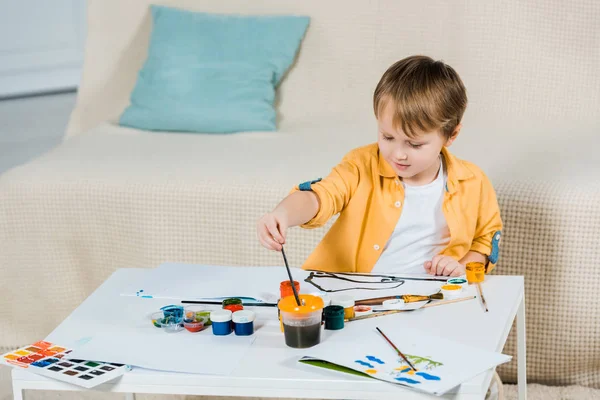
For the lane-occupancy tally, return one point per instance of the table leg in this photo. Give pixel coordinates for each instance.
(17, 391)
(521, 350)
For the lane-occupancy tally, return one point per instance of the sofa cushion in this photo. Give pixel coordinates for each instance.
(213, 72)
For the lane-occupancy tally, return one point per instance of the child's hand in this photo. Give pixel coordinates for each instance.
(271, 229)
(444, 265)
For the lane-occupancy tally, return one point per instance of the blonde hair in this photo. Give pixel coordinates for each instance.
(427, 95)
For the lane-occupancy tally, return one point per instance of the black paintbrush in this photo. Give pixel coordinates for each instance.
(291, 279)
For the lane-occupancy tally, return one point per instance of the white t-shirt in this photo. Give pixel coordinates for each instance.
(421, 232)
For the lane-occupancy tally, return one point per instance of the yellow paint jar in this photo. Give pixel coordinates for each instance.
(347, 302)
(475, 272)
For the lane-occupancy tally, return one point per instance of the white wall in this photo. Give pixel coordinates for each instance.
(41, 45)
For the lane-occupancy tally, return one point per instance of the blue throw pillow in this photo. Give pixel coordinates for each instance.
(213, 73)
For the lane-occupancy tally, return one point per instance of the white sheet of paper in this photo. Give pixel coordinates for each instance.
(179, 281)
(114, 328)
(441, 364)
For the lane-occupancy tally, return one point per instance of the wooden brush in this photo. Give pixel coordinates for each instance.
(408, 298)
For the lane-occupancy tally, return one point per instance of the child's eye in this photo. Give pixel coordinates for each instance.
(388, 138)
(415, 146)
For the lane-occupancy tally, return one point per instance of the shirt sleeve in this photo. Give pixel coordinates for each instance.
(488, 231)
(334, 191)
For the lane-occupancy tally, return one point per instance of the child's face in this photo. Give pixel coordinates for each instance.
(415, 160)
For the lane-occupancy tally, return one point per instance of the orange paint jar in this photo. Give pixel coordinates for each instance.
(285, 288)
(475, 272)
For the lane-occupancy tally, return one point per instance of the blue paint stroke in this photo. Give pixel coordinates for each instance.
(366, 364)
(406, 369)
(407, 380)
(374, 359)
(428, 376)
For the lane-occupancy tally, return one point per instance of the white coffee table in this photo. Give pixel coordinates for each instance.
(270, 369)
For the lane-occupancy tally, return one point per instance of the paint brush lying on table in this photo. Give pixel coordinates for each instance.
(408, 298)
(388, 312)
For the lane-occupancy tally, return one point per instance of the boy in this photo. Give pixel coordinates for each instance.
(406, 204)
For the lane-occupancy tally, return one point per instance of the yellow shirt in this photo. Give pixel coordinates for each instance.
(369, 196)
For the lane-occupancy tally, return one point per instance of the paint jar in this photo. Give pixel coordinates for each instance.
(233, 304)
(172, 318)
(359, 311)
(243, 322)
(334, 317)
(197, 313)
(301, 324)
(156, 318)
(451, 291)
(475, 272)
(221, 322)
(325, 297)
(285, 288)
(193, 325)
(347, 302)
(462, 282)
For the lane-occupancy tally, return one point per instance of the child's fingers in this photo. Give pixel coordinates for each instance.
(274, 232)
(456, 272)
(270, 243)
(267, 240)
(427, 266)
(449, 268)
(443, 264)
(434, 264)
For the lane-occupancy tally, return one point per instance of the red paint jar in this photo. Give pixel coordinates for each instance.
(285, 288)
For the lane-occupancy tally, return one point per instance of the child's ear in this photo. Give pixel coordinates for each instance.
(454, 135)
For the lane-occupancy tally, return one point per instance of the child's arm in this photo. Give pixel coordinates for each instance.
(489, 227)
(311, 204)
(296, 209)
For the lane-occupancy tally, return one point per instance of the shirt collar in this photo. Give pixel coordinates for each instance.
(456, 170)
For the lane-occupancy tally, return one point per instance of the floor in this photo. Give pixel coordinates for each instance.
(30, 126)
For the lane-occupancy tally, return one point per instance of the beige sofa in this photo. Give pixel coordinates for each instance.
(111, 197)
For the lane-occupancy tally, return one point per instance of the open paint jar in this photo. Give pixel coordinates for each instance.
(233, 304)
(301, 324)
(172, 318)
(198, 314)
(475, 272)
(345, 301)
(156, 318)
(334, 317)
(285, 288)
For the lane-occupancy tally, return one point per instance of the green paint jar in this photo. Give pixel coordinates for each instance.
(334, 317)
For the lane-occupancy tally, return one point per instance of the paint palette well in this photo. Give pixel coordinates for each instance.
(45, 358)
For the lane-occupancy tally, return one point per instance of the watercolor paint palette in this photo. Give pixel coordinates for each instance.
(48, 359)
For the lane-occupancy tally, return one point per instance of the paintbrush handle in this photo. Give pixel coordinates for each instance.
(287, 267)
(482, 298)
(408, 298)
(441, 303)
(382, 313)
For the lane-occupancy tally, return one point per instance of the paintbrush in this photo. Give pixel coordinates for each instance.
(397, 349)
(291, 279)
(388, 312)
(408, 298)
(482, 298)
(211, 302)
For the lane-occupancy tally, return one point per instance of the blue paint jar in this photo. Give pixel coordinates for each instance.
(221, 322)
(243, 322)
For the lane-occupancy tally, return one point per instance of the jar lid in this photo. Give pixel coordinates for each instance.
(344, 301)
(243, 316)
(309, 303)
(221, 315)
